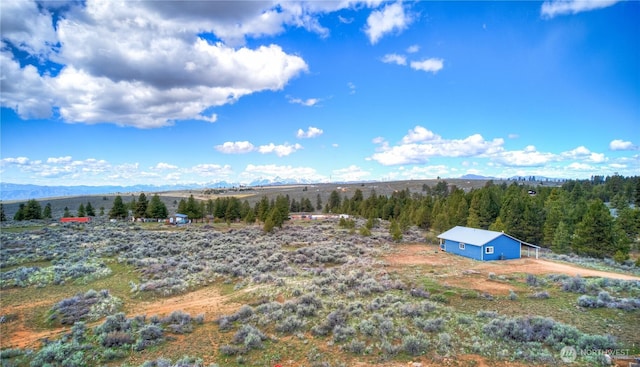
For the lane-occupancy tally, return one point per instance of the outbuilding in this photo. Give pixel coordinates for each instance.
(481, 244)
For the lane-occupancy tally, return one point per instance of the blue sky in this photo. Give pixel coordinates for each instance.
(169, 92)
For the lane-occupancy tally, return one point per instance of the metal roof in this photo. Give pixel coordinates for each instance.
(475, 236)
(470, 236)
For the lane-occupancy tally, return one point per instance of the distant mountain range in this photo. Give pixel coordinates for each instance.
(10, 191)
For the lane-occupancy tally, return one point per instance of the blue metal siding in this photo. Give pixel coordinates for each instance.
(471, 251)
(505, 246)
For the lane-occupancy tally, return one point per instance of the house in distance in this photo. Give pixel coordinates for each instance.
(481, 244)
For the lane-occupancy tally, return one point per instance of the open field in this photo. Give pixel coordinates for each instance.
(310, 294)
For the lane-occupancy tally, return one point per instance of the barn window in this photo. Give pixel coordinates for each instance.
(461, 246)
(488, 249)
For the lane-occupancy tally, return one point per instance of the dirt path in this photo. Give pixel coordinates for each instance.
(460, 271)
(207, 301)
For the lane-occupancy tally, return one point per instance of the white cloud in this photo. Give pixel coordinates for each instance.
(421, 144)
(351, 173)
(413, 49)
(311, 132)
(432, 65)
(419, 134)
(164, 166)
(309, 102)
(344, 20)
(394, 59)
(253, 172)
(210, 170)
(58, 160)
(140, 63)
(390, 18)
(513, 136)
(618, 144)
(352, 88)
(553, 8)
(235, 147)
(583, 153)
(280, 150)
(528, 157)
(17, 161)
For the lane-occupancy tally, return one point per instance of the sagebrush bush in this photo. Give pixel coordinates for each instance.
(415, 345)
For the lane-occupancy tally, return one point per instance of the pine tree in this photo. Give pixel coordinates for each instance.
(20, 213)
(46, 212)
(561, 242)
(594, 234)
(157, 209)
(395, 231)
(33, 210)
(318, 203)
(3, 217)
(81, 212)
(334, 201)
(90, 211)
(140, 211)
(66, 213)
(118, 210)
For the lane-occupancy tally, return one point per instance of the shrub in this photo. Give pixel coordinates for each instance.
(430, 325)
(540, 295)
(356, 346)
(575, 285)
(532, 280)
(415, 345)
(512, 295)
(289, 325)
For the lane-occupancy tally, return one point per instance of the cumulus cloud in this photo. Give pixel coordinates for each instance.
(253, 172)
(311, 132)
(553, 8)
(528, 157)
(413, 49)
(394, 59)
(142, 64)
(618, 144)
(432, 65)
(351, 173)
(421, 144)
(352, 88)
(235, 147)
(309, 102)
(279, 150)
(164, 166)
(582, 153)
(391, 18)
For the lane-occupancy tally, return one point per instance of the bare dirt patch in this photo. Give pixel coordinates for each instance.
(472, 274)
(207, 301)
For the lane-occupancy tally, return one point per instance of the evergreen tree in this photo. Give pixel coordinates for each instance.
(81, 212)
(594, 234)
(119, 209)
(140, 211)
(395, 231)
(102, 211)
(262, 209)
(3, 217)
(46, 212)
(318, 203)
(555, 211)
(157, 209)
(334, 201)
(32, 210)
(66, 213)
(89, 209)
(182, 207)
(192, 208)
(561, 242)
(250, 217)
(20, 214)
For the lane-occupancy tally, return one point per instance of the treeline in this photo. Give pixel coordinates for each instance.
(570, 218)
